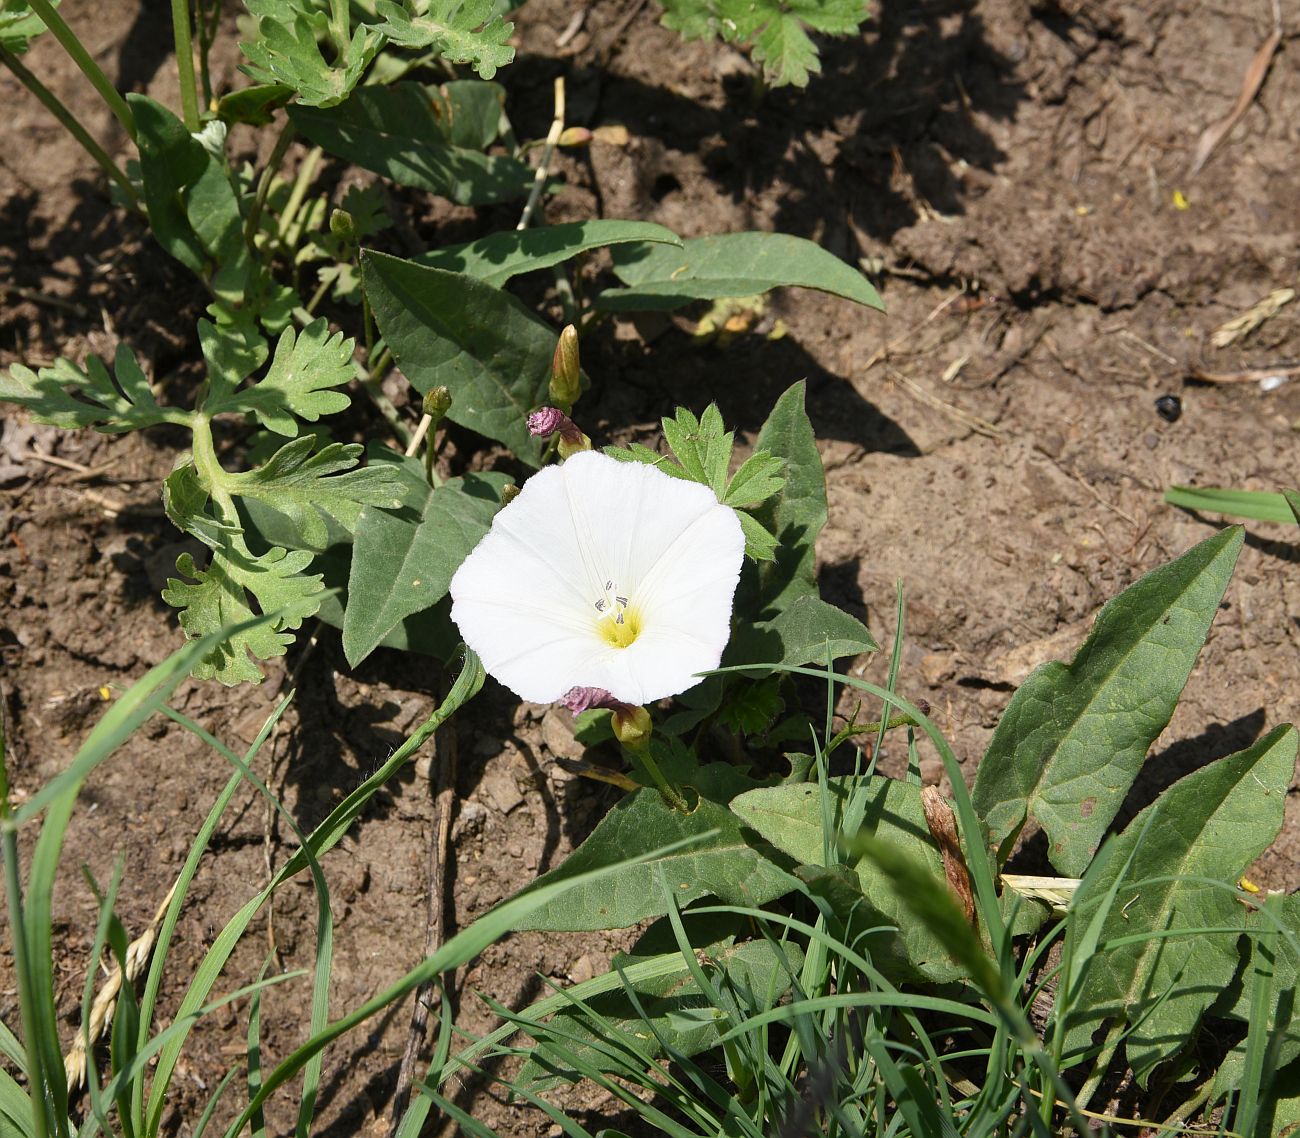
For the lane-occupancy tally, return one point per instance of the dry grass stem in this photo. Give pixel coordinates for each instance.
(1248, 321)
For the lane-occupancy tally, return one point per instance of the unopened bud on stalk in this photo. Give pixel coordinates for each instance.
(509, 492)
(575, 136)
(342, 226)
(437, 402)
(632, 727)
(566, 374)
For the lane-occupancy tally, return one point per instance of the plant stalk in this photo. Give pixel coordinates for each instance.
(72, 124)
(184, 37)
(40, 1101)
(89, 68)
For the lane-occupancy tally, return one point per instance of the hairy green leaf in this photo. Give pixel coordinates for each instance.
(487, 348)
(758, 478)
(402, 562)
(186, 503)
(67, 396)
(1208, 827)
(807, 631)
(462, 31)
(218, 599)
(305, 369)
(286, 51)
(660, 277)
(497, 258)
(309, 487)
(1071, 741)
(405, 132)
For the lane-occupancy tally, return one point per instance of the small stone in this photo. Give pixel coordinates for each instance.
(584, 968)
(932, 772)
(470, 820)
(501, 791)
(936, 667)
(557, 735)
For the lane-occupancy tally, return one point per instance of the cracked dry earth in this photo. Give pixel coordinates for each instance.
(1014, 174)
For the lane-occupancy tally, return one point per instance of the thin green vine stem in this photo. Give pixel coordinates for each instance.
(89, 68)
(184, 37)
(264, 184)
(72, 124)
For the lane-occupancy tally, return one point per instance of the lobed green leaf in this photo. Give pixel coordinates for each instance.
(286, 52)
(462, 31)
(65, 395)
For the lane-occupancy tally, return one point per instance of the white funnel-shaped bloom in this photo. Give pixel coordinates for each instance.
(602, 574)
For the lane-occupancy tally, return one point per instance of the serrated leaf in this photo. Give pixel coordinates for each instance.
(186, 503)
(402, 562)
(217, 599)
(790, 816)
(1072, 739)
(286, 51)
(497, 258)
(758, 478)
(65, 395)
(724, 865)
(660, 277)
(1209, 826)
(638, 452)
(402, 132)
(308, 487)
(233, 348)
(702, 446)
(760, 542)
(775, 27)
(299, 382)
(463, 31)
(491, 352)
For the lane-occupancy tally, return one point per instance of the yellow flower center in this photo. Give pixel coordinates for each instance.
(620, 628)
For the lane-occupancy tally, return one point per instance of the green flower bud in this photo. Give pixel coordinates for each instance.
(566, 374)
(342, 226)
(509, 492)
(437, 402)
(632, 727)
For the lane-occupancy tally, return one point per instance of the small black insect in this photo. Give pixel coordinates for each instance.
(1169, 408)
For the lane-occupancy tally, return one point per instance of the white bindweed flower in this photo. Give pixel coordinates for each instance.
(602, 574)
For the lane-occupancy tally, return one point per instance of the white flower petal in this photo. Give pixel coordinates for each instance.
(530, 597)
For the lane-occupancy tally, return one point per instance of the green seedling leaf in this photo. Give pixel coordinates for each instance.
(776, 28)
(490, 351)
(659, 278)
(723, 863)
(402, 562)
(298, 383)
(497, 258)
(286, 52)
(218, 598)
(676, 1014)
(1072, 739)
(701, 446)
(1154, 969)
(760, 543)
(19, 25)
(233, 348)
(403, 132)
(308, 488)
(67, 396)
(462, 31)
(1257, 504)
(759, 477)
(791, 816)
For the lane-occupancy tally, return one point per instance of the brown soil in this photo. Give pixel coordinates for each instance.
(1012, 171)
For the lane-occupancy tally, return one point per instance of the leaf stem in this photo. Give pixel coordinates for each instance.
(184, 39)
(72, 124)
(89, 68)
(214, 477)
(264, 183)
